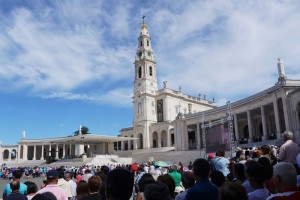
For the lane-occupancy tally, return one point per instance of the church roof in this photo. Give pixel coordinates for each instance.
(79, 139)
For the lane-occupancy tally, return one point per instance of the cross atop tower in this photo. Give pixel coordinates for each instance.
(143, 18)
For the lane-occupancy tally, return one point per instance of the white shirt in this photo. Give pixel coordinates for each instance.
(62, 183)
(259, 194)
(73, 187)
(86, 177)
(247, 186)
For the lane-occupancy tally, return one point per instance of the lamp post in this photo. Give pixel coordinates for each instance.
(230, 128)
(203, 127)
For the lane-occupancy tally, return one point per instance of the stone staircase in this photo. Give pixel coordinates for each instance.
(133, 153)
(170, 156)
(167, 154)
(110, 159)
(277, 142)
(69, 162)
(28, 163)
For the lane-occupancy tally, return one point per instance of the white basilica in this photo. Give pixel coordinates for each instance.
(167, 118)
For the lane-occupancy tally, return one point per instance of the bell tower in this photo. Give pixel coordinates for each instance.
(145, 85)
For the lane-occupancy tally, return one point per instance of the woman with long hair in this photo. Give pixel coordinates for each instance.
(82, 190)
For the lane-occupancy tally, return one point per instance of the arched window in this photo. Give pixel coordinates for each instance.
(140, 72)
(141, 43)
(13, 154)
(147, 43)
(150, 71)
(5, 154)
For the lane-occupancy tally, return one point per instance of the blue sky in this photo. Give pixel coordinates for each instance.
(66, 63)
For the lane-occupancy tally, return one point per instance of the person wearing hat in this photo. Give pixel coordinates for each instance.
(62, 183)
(52, 180)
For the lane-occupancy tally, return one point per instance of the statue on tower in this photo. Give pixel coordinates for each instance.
(23, 135)
(281, 71)
(165, 84)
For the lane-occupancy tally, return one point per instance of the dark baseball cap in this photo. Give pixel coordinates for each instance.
(52, 174)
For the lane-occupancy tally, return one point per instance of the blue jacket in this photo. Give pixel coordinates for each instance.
(203, 190)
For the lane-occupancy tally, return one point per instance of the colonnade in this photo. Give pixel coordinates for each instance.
(157, 139)
(256, 123)
(41, 151)
(259, 121)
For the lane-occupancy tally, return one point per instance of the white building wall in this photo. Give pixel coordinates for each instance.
(175, 104)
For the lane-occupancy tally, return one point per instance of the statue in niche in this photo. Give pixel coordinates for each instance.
(160, 116)
(139, 108)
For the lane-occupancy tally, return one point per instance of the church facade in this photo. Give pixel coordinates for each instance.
(168, 118)
(164, 117)
(155, 109)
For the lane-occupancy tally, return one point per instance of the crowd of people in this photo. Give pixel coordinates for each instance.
(257, 173)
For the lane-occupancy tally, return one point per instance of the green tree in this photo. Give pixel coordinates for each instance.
(84, 131)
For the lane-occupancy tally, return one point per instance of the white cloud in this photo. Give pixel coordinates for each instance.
(225, 49)
(49, 55)
(229, 48)
(117, 97)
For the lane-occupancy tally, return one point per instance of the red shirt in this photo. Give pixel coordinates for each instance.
(78, 178)
(290, 193)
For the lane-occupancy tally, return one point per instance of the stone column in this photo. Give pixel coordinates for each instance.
(178, 136)
(19, 152)
(25, 152)
(9, 155)
(276, 114)
(286, 115)
(185, 137)
(56, 152)
(49, 152)
(64, 150)
(264, 124)
(198, 136)
(168, 139)
(159, 140)
(250, 139)
(42, 156)
(236, 128)
(34, 152)
(129, 144)
(70, 149)
(122, 146)
(135, 146)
